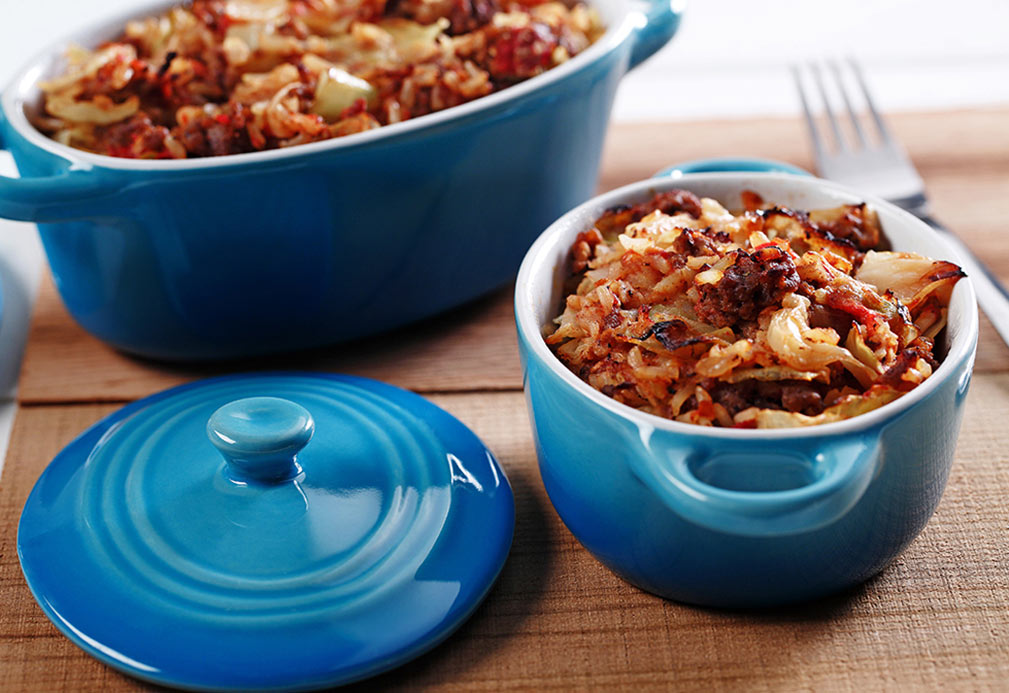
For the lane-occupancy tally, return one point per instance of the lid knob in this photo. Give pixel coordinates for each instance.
(260, 437)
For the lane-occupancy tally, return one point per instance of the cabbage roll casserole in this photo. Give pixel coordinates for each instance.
(769, 318)
(220, 77)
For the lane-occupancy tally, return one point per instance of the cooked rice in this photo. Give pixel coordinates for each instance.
(222, 77)
(770, 318)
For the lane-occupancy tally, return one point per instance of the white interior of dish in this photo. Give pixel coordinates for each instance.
(538, 293)
(619, 16)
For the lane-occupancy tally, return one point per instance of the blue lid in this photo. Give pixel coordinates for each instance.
(266, 531)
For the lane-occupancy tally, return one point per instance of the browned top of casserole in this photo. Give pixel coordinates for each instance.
(227, 76)
(770, 318)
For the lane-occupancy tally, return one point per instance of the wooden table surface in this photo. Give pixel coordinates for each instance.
(937, 617)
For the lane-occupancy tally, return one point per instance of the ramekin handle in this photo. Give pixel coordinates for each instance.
(69, 194)
(732, 164)
(838, 475)
(659, 21)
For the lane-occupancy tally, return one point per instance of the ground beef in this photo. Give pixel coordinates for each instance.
(465, 15)
(853, 227)
(136, 134)
(669, 202)
(791, 395)
(753, 282)
(906, 359)
(801, 397)
(824, 316)
(215, 135)
(694, 243)
(521, 53)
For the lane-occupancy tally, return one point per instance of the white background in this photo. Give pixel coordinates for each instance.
(730, 60)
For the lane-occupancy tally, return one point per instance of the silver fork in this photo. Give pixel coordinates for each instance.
(882, 168)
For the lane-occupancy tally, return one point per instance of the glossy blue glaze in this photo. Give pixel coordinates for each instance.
(730, 163)
(622, 490)
(734, 518)
(166, 560)
(260, 438)
(274, 251)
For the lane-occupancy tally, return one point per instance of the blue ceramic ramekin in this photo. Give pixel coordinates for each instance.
(270, 251)
(739, 518)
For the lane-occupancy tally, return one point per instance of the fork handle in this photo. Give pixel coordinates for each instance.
(992, 295)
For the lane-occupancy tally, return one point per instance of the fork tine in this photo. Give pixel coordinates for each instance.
(884, 132)
(818, 76)
(814, 132)
(836, 71)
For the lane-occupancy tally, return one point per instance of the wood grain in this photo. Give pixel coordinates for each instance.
(557, 620)
(964, 144)
(66, 364)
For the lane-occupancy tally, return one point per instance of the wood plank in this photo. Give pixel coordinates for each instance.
(966, 143)
(34, 656)
(557, 620)
(63, 363)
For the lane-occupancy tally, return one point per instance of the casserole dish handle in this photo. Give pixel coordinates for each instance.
(659, 21)
(758, 490)
(71, 193)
